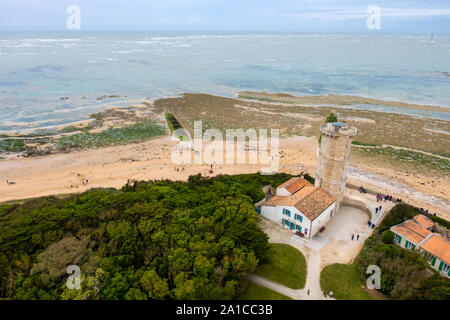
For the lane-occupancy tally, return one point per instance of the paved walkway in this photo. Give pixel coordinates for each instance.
(335, 243)
(312, 270)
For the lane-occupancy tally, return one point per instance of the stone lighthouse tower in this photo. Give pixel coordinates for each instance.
(334, 151)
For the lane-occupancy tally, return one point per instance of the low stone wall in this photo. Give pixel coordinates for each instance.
(358, 205)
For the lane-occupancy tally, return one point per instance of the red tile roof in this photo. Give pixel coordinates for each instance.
(295, 184)
(439, 247)
(411, 230)
(423, 221)
(309, 200)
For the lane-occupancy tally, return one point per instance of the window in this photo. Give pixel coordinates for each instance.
(446, 268)
(306, 231)
(397, 238)
(286, 212)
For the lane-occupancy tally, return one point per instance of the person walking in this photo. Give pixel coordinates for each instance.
(308, 292)
(357, 237)
(353, 236)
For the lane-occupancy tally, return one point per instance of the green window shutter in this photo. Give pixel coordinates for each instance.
(406, 244)
(433, 261)
(399, 239)
(441, 265)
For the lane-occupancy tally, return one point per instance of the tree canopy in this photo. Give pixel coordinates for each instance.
(150, 240)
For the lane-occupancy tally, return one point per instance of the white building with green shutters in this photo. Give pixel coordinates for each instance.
(411, 234)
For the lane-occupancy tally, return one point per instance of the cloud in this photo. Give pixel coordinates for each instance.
(345, 13)
(194, 18)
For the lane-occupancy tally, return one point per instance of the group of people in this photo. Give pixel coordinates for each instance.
(324, 293)
(353, 237)
(10, 182)
(426, 212)
(378, 209)
(381, 197)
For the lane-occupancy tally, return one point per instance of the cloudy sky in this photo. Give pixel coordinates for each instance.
(406, 16)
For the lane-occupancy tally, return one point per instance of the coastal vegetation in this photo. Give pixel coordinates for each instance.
(285, 265)
(133, 133)
(106, 128)
(374, 128)
(174, 125)
(406, 159)
(149, 240)
(12, 145)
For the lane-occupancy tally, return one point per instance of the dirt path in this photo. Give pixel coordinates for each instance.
(294, 294)
(403, 148)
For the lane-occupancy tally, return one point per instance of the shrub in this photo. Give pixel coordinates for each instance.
(387, 237)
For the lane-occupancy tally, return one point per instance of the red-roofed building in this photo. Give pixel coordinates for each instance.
(300, 206)
(413, 234)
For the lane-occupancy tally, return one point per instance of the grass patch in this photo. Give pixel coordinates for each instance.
(442, 222)
(12, 145)
(345, 282)
(69, 129)
(255, 291)
(406, 158)
(129, 134)
(174, 124)
(285, 265)
(359, 143)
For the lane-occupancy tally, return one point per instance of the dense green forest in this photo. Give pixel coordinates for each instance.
(405, 273)
(150, 240)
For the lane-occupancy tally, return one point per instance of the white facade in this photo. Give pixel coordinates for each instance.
(297, 220)
(437, 264)
(403, 241)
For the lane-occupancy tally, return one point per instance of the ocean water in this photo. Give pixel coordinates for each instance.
(38, 69)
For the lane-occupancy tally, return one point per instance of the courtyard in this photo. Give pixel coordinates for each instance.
(333, 245)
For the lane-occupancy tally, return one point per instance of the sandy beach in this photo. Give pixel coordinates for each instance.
(67, 173)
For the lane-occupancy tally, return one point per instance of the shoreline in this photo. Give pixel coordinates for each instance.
(270, 98)
(328, 99)
(64, 173)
